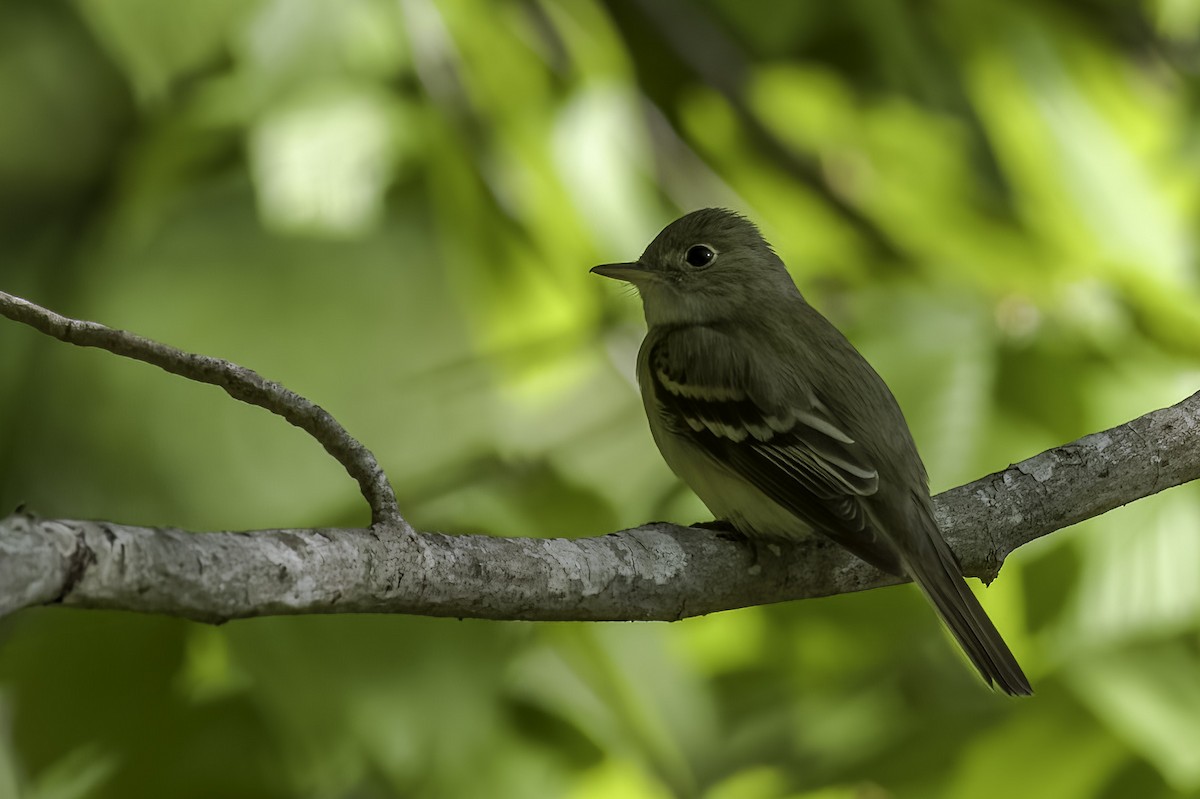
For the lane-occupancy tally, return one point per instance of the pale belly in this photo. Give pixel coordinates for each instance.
(729, 497)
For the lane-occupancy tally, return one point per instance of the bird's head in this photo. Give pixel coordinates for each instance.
(707, 266)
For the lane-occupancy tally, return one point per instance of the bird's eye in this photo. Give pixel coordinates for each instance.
(700, 255)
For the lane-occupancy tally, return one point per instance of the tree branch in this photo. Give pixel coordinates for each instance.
(237, 381)
(658, 571)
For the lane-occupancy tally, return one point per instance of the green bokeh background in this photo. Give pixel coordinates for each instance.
(391, 207)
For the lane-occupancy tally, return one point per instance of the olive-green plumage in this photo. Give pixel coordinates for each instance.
(780, 426)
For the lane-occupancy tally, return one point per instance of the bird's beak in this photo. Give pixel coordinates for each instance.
(630, 273)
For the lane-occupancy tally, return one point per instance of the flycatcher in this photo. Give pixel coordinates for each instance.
(780, 426)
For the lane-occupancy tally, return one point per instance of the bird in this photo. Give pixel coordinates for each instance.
(780, 426)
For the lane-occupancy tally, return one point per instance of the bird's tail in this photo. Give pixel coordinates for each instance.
(935, 569)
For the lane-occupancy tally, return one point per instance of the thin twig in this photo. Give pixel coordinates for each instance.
(237, 381)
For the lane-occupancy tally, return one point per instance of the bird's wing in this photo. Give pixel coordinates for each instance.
(774, 433)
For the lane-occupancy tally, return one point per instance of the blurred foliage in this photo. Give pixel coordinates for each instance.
(391, 208)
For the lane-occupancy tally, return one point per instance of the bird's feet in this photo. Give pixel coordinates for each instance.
(722, 528)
